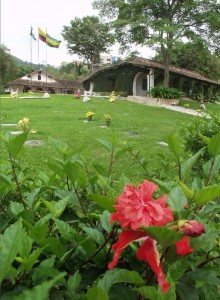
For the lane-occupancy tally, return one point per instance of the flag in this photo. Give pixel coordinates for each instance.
(46, 38)
(32, 34)
(52, 42)
(42, 35)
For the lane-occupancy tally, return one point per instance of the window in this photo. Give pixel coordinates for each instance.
(39, 77)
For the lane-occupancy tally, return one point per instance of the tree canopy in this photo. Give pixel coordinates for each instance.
(197, 57)
(8, 69)
(162, 23)
(88, 37)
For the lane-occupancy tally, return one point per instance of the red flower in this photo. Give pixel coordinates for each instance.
(192, 228)
(183, 246)
(137, 208)
(147, 252)
(125, 238)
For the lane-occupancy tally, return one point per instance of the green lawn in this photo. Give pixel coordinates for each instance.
(211, 107)
(62, 117)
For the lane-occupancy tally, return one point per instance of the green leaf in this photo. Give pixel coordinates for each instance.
(56, 169)
(40, 292)
(32, 259)
(164, 236)
(105, 221)
(16, 208)
(204, 276)
(206, 194)
(108, 145)
(50, 206)
(54, 246)
(31, 197)
(6, 179)
(132, 277)
(94, 234)
(15, 143)
(60, 206)
(178, 268)
(74, 281)
(9, 243)
(103, 201)
(210, 292)
(122, 291)
(186, 291)
(75, 172)
(215, 167)
(38, 233)
(25, 244)
(100, 169)
(175, 145)
(96, 293)
(149, 292)
(61, 147)
(188, 193)
(177, 199)
(214, 145)
(164, 186)
(108, 278)
(187, 165)
(66, 231)
(44, 270)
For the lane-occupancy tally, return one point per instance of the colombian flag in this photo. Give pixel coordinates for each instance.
(42, 35)
(46, 38)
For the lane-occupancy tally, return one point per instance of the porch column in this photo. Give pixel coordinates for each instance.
(150, 79)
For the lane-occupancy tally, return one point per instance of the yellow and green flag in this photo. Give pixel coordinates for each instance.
(46, 38)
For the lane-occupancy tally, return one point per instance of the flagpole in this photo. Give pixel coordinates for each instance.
(31, 56)
(38, 50)
(46, 59)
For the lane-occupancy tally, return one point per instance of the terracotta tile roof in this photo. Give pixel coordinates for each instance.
(69, 83)
(60, 83)
(39, 83)
(139, 61)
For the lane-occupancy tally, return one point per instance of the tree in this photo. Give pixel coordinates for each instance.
(87, 37)
(161, 23)
(196, 57)
(8, 69)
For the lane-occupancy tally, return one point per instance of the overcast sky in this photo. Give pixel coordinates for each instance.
(17, 16)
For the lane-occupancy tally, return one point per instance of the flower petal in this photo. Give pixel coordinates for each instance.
(183, 246)
(136, 208)
(149, 253)
(192, 228)
(125, 238)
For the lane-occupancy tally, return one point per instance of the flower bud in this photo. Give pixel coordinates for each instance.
(191, 228)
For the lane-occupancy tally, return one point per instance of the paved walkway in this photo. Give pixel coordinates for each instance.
(185, 110)
(145, 101)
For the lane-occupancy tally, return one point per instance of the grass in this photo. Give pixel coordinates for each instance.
(62, 117)
(211, 107)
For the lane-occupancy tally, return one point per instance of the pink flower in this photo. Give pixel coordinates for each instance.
(147, 252)
(136, 208)
(183, 246)
(192, 228)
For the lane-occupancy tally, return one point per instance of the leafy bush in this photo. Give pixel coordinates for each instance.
(197, 97)
(215, 98)
(193, 134)
(161, 91)
(57, 241)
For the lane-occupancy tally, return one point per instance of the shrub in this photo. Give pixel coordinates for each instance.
(197, 130)
(197, 97)
(61, 234)
(161, 91)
